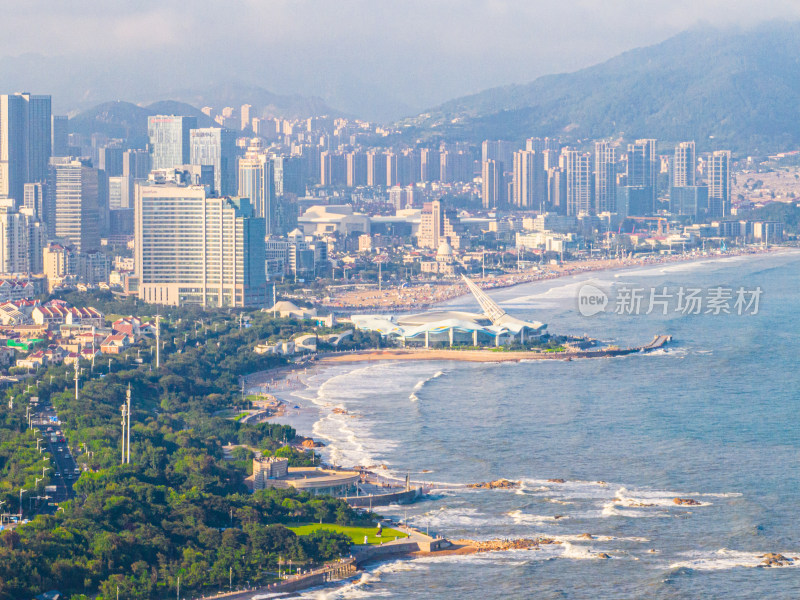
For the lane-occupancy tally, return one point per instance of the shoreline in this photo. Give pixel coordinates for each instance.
(452, 290)
(486, 356)
(300, 373)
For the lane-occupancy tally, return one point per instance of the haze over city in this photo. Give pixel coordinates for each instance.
(375, 60)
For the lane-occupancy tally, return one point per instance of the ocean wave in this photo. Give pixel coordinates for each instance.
(557, 293)
(578, 552)
(421, 384)
(522, 518)
(730, 559)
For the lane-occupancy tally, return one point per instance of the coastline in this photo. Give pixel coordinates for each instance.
(370, 356)
(482, 355)
(426, 296)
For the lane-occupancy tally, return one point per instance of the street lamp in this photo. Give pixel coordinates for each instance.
(20, 502)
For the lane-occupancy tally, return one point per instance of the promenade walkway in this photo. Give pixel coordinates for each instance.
(332, 571)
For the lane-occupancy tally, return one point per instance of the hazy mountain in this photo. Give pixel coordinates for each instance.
(76, 85)
(723, 88)
(129, 121)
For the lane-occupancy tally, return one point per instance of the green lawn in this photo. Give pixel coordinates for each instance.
(355, 533)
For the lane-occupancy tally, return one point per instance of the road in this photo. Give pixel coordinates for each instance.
(45, 420)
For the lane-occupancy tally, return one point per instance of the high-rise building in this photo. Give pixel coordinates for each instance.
(498, 150)
(333, 169)
(74, 203)
(288, 175)
(60, 135)
(684, 165)
(257, 182)
(605, 177)
(455, 166)
(376, 168)
(118, 198)
(34, 199)
(429, 164)
(25, 142)
(135, 164)
(541, 144)
(110, 160)
(579, 182)
(21, 240)
(245, 113)
(216, 147)
(719, 184)
(170, 140)
(642, 170)
(530, 180)
(356, 169)
(557, 190)
(438, 224)
(493, 184)
(192, 249)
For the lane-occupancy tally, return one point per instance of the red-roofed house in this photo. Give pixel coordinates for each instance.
(115, 344)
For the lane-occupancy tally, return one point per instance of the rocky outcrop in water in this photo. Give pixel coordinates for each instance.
(686, 502)
(773, 559)
(499, 484)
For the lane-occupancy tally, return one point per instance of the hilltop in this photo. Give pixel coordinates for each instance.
(723, 88)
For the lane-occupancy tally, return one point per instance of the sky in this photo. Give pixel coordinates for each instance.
(379, 59)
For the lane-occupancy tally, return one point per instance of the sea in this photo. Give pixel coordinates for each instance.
(712, 417)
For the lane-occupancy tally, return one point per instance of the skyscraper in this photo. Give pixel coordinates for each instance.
(579, 182)
(684, 166)
(719, 184)
(25, 142)
(438, 224)
(110, 160)
(21, 240)
(356, 169)
(216, 147)
(60, 135)
(498, 150)
(455, 166)
(643, 170)
(376, 168)
(257, 182)
(530, 180)
(135, 164)
(288, 175)
(170, 140)
(429, 164)
(34, 199)
(333, 169)
(74, 203)
(605, 177)
(492, 186)
(244, 113)
(191, 249)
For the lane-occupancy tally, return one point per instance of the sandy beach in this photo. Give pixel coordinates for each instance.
(425, 295)
(439, 354)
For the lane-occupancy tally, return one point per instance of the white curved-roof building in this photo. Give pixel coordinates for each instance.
(492, 327)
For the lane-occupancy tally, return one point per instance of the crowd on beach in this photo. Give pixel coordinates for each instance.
(425, 295)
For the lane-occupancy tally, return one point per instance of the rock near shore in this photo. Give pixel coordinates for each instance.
(686, 502)
(499, 484)
(773, 559)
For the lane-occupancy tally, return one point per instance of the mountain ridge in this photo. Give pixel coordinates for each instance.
(720, 87)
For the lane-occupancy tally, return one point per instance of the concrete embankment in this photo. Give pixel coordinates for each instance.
(401, 497)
